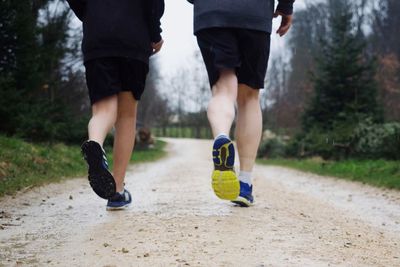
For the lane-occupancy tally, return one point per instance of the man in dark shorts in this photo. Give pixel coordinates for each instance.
(118, 39)
(234, 39)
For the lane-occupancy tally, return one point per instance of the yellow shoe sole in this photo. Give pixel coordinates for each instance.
(225, 184)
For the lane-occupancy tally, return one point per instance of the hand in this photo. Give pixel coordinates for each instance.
(157, 46)
(285, 24)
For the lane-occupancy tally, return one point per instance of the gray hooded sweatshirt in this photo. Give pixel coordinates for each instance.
(245, 14)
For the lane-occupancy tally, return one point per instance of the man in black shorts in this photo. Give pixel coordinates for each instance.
(234, 39)
(118, 39)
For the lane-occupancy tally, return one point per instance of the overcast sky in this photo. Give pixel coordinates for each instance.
(180, 42)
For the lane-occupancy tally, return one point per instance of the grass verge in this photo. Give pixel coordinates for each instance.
(380, 173)
(25, 164)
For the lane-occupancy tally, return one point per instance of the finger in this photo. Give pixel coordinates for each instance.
(285, 25)
(159, 47)
(156, 49)
(159, 44)
(283, 30)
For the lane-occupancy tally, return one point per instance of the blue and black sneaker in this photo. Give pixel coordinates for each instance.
(119, 201)
(224, 180)
(245, 199)
(100, 179)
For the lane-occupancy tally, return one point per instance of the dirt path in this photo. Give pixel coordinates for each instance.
(298, 220)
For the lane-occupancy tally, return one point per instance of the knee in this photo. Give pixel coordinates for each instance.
(127, 114)
(248, 96)
(105, 116)
(226, 84)
(105, 108)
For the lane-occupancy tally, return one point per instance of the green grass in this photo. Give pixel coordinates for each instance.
(154, 154)
(25, 165)
(380, 173)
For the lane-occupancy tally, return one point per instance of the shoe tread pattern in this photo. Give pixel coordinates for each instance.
(100, 179)
(225, 184)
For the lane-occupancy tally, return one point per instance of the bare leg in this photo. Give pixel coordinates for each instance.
(221, 109)
(104, 115)
(124, 140)
(249, 126)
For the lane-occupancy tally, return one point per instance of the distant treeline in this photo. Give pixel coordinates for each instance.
(291, 85)
(342, 81)
(183, 132)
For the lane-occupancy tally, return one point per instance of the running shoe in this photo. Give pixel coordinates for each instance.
(245, 199)
(119, 201)
(224, 180)
(100, 178)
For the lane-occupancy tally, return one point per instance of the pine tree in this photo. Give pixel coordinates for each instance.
(17, 63)
(34, 41)
(345, 91)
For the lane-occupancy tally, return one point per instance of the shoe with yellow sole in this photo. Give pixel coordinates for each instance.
(224, 180)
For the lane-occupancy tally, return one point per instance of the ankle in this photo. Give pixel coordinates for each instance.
(222, 135)
(245, 177)
(96, 140)
(119, 187)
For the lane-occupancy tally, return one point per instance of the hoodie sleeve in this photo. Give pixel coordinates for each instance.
(285, 6)
(155, 12)
(78, 6)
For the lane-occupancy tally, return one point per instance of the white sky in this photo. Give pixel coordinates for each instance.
(180, 43)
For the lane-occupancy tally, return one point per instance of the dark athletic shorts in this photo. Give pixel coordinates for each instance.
(246, 51)
(109, 76)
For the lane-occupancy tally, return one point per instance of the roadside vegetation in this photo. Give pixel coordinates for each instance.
(24, 165)
(198, 132)
(347, 128)
(380, 173)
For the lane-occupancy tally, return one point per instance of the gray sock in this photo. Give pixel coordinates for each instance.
(245, 177)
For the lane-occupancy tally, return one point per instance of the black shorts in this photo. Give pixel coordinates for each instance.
(109, 76)
(246, 51)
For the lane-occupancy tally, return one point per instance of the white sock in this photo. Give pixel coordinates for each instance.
(221, 135)
(245, 177)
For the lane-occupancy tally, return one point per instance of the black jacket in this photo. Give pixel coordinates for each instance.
(247, 14)
(119, 28)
